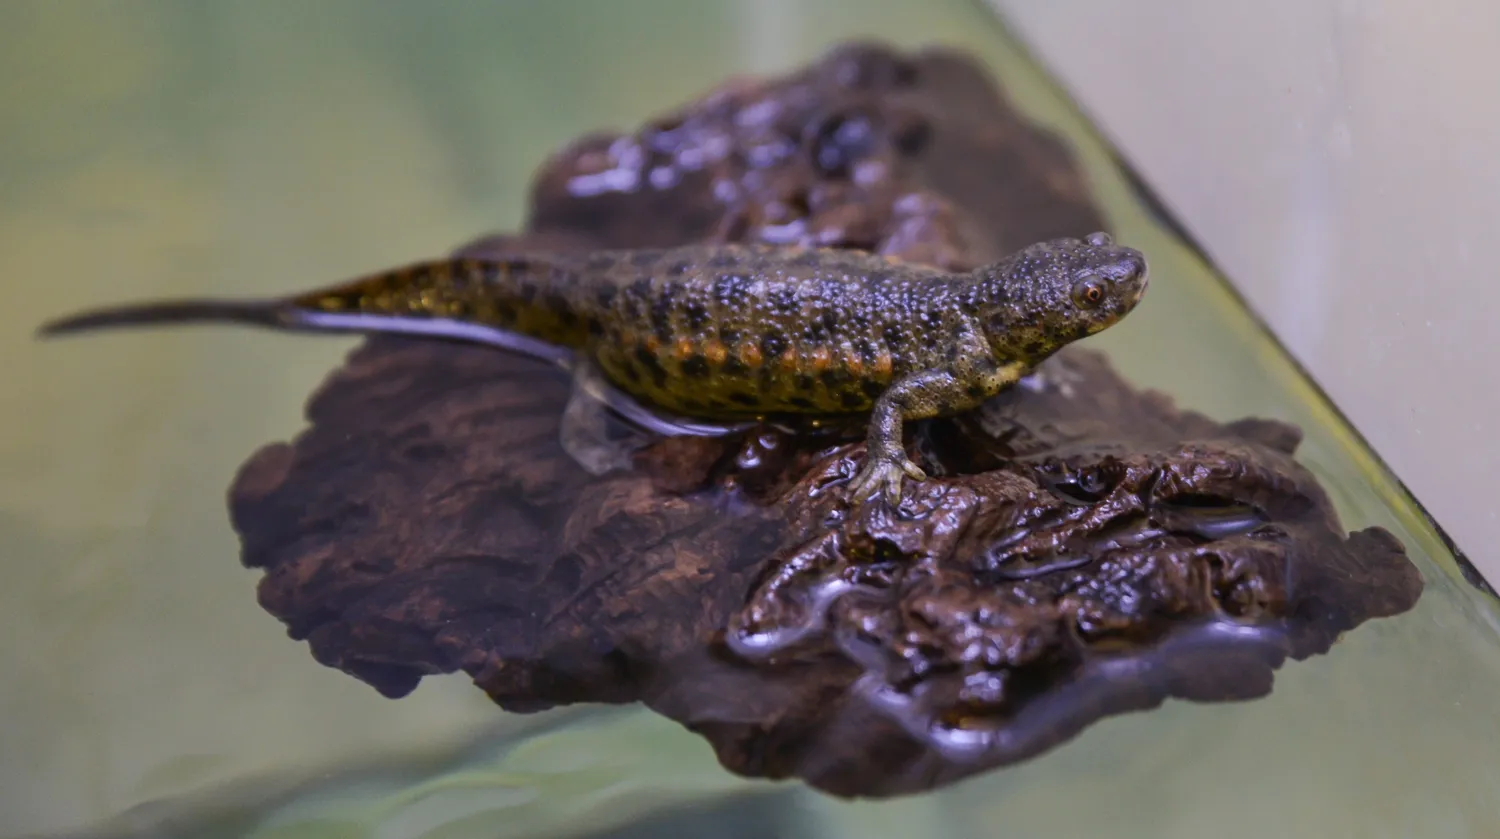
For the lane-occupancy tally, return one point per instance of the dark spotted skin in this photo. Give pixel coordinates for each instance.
(742, 332)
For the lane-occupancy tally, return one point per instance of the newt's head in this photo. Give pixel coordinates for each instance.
(1048, 295)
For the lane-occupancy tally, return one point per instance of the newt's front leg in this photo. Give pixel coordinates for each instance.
(966, 384)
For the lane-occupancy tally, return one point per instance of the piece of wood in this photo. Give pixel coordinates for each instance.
(1082, 549)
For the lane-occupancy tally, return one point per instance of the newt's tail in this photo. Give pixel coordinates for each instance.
(513, 303)
(159, 313)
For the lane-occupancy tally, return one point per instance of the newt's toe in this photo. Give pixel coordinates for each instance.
(883, 477)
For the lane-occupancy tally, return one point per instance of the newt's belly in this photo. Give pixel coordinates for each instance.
(708, 380)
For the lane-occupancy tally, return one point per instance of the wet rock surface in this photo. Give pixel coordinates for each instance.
(1083, 548)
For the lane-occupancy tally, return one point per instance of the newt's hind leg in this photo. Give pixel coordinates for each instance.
(602, 427)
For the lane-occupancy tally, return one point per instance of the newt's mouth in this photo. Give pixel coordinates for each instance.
(1142, 281)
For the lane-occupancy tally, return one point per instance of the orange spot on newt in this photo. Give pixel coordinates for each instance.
(684, 348)
(819, 359)
(883, 365)
(789, 359)
(652, 343)
(714, 351)
(854, 364)
(750, 354)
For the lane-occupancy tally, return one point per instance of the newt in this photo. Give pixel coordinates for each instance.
(735, 332)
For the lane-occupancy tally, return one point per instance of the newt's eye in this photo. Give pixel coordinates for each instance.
(1088, 293)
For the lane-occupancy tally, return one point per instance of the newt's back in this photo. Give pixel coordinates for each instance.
(736, 331)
